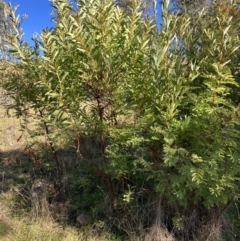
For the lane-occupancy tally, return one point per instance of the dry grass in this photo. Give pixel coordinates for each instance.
(22, 228)
(11, 135)
(159, 233)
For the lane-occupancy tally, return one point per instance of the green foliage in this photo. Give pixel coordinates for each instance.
(161, 106)
(9, 29)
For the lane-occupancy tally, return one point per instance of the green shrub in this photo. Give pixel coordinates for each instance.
(151, 109)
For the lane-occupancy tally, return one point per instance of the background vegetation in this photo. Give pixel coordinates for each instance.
(137, 128)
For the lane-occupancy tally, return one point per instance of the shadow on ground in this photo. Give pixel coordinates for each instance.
(36, 189)
(4, 228)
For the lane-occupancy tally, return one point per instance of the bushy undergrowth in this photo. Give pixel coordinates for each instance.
(153, 114)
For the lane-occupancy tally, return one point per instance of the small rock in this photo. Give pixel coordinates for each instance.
(82, 218)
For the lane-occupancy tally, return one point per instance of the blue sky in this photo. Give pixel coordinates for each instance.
(39, 16)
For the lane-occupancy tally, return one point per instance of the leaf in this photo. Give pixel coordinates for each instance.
(51, 94)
